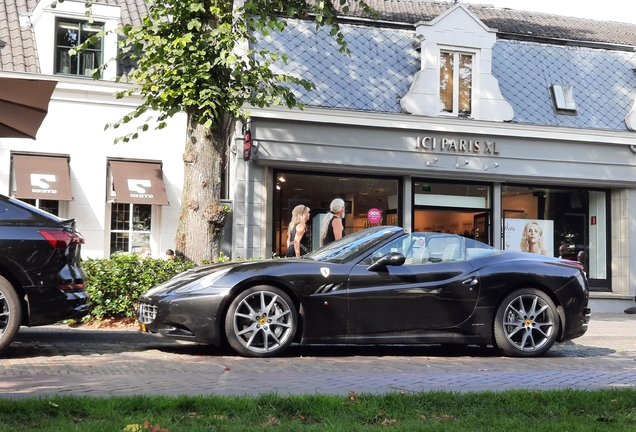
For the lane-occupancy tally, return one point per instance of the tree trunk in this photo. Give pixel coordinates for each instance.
(202, 219)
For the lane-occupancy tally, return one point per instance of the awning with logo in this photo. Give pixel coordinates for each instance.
(136, 182)
(44, 177)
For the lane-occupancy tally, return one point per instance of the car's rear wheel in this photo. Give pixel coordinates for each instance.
(10, 313)
(526, 323)
(261, 322)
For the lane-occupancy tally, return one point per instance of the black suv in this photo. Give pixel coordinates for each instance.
(41, 280)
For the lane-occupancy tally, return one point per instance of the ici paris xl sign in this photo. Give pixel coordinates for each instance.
(456, 145)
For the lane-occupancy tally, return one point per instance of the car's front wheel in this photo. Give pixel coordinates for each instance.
(526, 323)
(10, 313)
(261, 322)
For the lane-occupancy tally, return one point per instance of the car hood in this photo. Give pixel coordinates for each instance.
(233, 271)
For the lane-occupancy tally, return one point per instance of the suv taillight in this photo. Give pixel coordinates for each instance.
(72, 287)
(61, 239)
(572, 263)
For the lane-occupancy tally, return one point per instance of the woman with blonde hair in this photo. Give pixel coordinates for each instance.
(298, 237)
(332, 228)
(532, 239)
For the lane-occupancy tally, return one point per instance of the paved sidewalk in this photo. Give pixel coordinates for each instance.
(58, 360)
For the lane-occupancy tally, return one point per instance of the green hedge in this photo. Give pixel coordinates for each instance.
(115, 285)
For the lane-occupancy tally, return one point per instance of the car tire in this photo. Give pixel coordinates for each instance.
(526, 323)
(261, 322)
(10, 313)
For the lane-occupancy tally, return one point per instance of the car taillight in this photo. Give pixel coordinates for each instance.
(61, 239)
(71, 287)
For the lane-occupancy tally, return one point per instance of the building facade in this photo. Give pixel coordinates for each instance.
(465, 119)
(124, 196)
(448, 125)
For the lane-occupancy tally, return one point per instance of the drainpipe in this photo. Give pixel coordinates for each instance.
(246, 217)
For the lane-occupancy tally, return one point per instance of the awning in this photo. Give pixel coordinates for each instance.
(42, 177)
(23, 106)
(138, 182)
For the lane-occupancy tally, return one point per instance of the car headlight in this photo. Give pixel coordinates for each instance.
(203, 283)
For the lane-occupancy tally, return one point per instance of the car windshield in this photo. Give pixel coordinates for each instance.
(431, 247)
(353, 245)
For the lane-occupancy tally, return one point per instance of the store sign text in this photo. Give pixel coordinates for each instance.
(457, 145)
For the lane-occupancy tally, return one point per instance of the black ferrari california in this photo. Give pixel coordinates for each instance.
(376, 287)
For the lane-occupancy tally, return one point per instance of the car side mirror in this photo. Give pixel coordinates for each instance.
(390, 259)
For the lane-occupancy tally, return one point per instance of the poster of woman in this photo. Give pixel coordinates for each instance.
(529, 235)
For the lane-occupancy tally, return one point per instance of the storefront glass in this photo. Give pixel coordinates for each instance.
(363, 196)
(560, 222)
(455, 208)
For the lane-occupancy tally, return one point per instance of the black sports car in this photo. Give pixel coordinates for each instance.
(377, 286)
(41, 279)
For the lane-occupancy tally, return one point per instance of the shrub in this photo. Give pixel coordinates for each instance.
(115, 285)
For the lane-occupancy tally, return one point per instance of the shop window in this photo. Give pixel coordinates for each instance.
(50, 206)
(369, 201)
(68, 35)
(567, 223)
(130, 227)
(452, 208)
(456, 83)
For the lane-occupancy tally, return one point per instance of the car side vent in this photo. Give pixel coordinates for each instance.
(326, 288)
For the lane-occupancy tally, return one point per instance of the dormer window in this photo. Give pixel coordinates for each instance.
(456, 74)
(69, 34)
(456, 83)
(563, 99)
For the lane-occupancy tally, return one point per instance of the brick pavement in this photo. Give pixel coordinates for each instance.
(59, 360)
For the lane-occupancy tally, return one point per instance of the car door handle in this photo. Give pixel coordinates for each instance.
(471, 281)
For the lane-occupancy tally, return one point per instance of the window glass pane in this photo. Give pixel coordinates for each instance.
(89, 62)
(465, 83)
(451, 195)
(67, 34)
(139, 241)
(461, 222)
(66, 63)
(141, 217)
(568, 95)
(119, 242)
(89, 31)
(130, 227)
(558, 96)
(573, 223)
(50, 206)
(446, 81)
(120, 217)
(563, 98)
(70, 34)
(368, 202)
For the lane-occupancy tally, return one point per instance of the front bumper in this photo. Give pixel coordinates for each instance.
(195, 318)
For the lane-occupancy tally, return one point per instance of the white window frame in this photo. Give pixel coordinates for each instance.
(83, 70)
(131, 228)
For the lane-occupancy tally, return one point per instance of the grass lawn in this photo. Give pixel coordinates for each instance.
(518, 410)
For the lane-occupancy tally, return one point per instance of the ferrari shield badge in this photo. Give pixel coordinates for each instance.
(324, 271)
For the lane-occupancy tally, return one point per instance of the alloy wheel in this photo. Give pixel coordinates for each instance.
(529, 322)
(263, 322)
